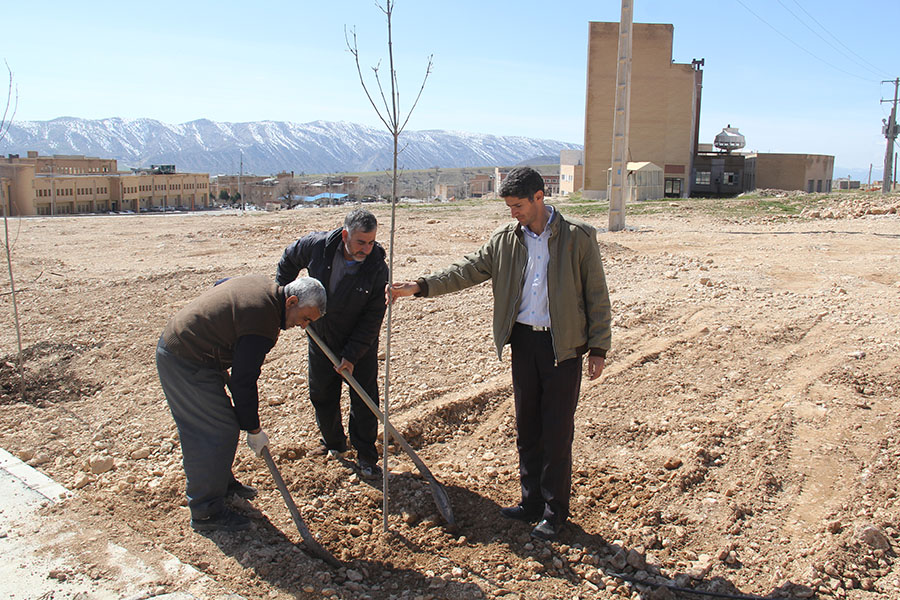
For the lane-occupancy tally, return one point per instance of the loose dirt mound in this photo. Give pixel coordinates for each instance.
(742, 439)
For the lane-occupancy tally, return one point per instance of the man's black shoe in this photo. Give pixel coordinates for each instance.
(338, 451)
(523, 513)
(548, 529)
(236, 488)
(224, 521)
(369, 470)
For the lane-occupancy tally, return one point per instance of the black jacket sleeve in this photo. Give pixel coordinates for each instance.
(249, 353)
(295, 258)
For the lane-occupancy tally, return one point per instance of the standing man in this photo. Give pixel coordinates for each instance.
(551, 304)
(233, 325)
(350, 264)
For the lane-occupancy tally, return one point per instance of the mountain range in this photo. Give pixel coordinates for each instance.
(269, 147)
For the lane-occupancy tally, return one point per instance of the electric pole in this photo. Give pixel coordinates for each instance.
(618, 180)
(890, 132)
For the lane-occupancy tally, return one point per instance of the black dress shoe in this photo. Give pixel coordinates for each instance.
(226, 520)
(548, 529)
(236, 488)
(523, 513)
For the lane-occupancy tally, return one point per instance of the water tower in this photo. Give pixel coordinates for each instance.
(730, 139)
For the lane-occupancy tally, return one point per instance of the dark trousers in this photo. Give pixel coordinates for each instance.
(325, 394)
(546, 396)
(207, 427)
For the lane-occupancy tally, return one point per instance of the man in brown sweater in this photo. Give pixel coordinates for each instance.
(231, 326)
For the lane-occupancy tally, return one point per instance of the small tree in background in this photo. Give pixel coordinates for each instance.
(12, 101)
(289, 192)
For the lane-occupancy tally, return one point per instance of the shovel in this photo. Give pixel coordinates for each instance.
(308, 538)
(437, 491)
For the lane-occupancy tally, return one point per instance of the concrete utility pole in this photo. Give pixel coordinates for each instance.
(890, 132)
(618, 180)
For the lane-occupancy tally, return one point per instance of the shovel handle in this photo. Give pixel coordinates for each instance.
(437, 491)
(307, 536)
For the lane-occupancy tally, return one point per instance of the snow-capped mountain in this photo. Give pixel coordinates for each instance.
(268, 146)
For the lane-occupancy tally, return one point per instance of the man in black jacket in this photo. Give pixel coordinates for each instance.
(350, 264)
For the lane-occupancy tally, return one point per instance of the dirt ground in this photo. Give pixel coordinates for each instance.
(742, 440)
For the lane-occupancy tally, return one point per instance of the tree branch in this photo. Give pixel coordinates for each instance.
(419, 95)
(354, 50)
(4, 122)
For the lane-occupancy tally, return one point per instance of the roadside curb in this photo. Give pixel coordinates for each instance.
(47, 549)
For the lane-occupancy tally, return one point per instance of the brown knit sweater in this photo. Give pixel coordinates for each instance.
(206, 330)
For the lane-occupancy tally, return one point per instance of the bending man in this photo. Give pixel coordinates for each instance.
(233, 325)
(551, 305)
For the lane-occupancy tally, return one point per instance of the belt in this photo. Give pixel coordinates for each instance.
(533, 327)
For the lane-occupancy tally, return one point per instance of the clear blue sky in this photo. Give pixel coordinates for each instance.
(503, 67)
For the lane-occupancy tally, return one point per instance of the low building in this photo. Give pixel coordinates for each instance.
(571, 171)
(479, 186)
(845, 183)
(806, 172)
(446, 191)
(232, 185)
(551, 180)
(60, 185)
(719, 174)
(721, 169)
(645, 181)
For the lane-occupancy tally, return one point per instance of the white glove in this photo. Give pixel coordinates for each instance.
(257, 441)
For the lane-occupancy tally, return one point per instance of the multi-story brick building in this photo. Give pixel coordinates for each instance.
(664, 110)
(58, 185)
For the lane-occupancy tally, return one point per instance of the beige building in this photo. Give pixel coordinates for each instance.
(806, 172)
(61, 185)
(571, 171)
(231, 184)
(551, 180)
(664, 111)
(645, 181)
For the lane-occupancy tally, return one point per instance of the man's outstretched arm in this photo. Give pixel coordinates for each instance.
(399, 289)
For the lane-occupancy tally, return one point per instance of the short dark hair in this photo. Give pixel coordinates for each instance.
(522, 182)
(359, 219)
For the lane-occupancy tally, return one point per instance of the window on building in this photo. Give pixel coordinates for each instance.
(673, 187)
(810, 185)
(702, 178)
(729, 178)
(819, 185)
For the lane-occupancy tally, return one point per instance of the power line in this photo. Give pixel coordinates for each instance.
(822, 60)
(837, 39)
(817, 34)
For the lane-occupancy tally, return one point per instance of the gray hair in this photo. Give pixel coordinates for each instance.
(359, 219)
(309, 292)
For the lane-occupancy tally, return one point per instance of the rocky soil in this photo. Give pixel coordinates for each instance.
(742, 441)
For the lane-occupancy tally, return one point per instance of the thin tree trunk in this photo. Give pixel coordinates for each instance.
(12, 287)
(4, 128)
(391, 119)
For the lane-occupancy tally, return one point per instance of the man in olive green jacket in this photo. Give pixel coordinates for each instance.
(551, 304)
